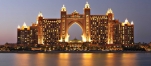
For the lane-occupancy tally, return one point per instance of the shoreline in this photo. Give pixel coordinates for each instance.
(75, 52)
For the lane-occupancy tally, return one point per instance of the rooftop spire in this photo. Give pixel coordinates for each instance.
(75, 11)
(24, 25)
(126, 20)
(87, 5)
(109, 11)
(18, 27)
(132, 23)
(40, 14)
(63, 8)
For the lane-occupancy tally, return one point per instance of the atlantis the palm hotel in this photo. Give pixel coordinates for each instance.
(98, 31)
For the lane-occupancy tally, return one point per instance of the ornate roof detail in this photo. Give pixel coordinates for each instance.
(126, 20)
(109, 11)
(87, 5)
(40, 14)
(63, 8)
(132, 23)
(75, 11)
(24, 25)
(18, 27)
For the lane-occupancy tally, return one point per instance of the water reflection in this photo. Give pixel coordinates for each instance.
(110, 59)
(63, 59)
(22, 60)
(87, 59)
(129, 59)
(75, 59)
(40, 59)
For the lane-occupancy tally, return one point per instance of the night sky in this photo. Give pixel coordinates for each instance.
(16, 12)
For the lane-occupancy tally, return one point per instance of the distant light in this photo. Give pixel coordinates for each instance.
(132, 23)
(24, 25)
(40, 14)
(126, 20)
(37, 22)
(75, 11)
(18, 27)
(87, 5)
(63, 8)
(109, 11)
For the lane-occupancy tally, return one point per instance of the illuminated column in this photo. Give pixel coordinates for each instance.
(18, 35)
(86, 35)
(132, 32)
(83, 38)
(64, 35)
(110, 26)
(40, 30)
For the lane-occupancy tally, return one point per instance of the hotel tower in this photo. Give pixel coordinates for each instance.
(96, 29)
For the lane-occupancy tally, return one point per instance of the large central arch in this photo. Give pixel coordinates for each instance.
(79, 24)
(83, 20)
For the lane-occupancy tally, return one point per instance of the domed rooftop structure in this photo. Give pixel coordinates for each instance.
(75, 40)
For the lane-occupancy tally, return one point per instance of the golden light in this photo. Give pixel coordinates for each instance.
(24, 25)
(110, 59)
(67, 38)
(41, 55)
(126, 22)
(64, 59)
(63, 8)
(22, 58)
(87, 55)
(128, 58)
(110, 41)
(64, 55)
(40, 14)
(87, 5)
(75, 11)
(109, 11)
(60, 40)
(110, 55)
(132, 23)
(37, 22)
(90, 40)
(18, 27)
(83, 38)
(87, 59)
(40, 41)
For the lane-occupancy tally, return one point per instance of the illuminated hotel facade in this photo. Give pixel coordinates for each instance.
(96, 29)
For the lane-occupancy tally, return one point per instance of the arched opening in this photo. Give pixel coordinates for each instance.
(75, 31)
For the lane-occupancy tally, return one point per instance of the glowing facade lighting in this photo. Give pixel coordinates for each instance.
(109, 11)
(96, 29)
(83, 38)
(37, 22)
(40, 14)
(63, 8)
(126, 20)
(132, 23)
(24, 25)
(18, 27)
(75, 11)
(87, 5)
(67, 38)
